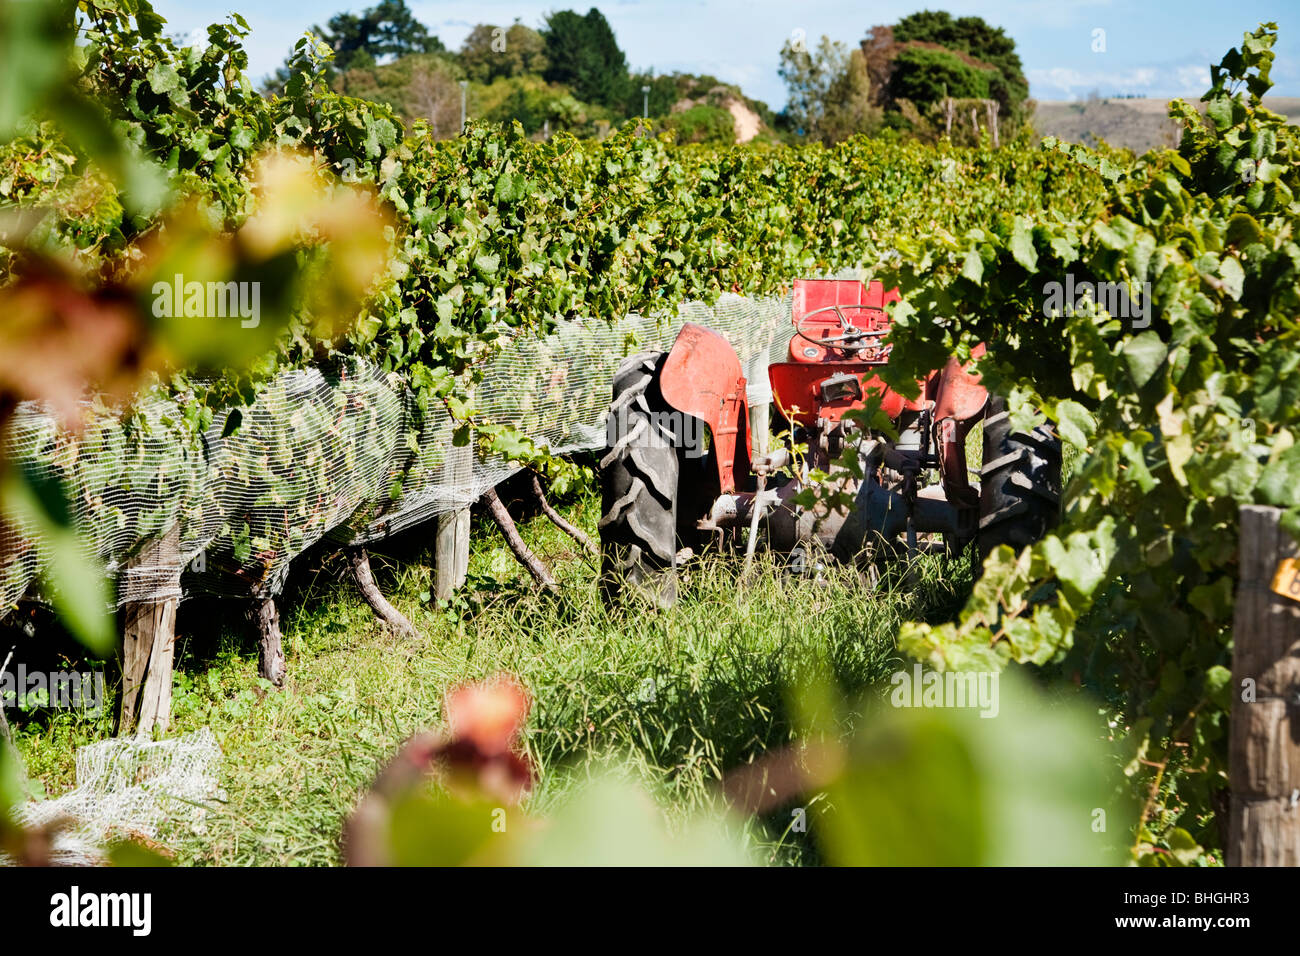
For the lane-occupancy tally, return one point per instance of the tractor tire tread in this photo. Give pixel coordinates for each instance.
(1020, 482)
(639, 477)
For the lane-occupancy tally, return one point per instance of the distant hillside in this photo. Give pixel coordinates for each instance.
(1139, 125)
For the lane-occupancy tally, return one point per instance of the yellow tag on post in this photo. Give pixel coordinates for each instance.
(1286, 580)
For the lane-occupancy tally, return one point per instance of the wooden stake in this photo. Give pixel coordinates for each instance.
(1264, 729)
(270, 652)
(536, 567)
(359, 559)
(149, 641)
(451, 541)
(760, 428)
(573, 531)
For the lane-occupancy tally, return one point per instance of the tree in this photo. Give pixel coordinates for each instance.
(536, 104)
(581, 51)
(808, 77)
(830, 94)
(879, 49)
(849, 109)
(976, 38)
(434, 96)
(359, 41)
(914, 65)
(492, 52)
(346, 34)
(386, 29)
(926, 76)
(419, 86)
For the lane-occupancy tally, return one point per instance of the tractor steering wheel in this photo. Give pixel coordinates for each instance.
(851, 333)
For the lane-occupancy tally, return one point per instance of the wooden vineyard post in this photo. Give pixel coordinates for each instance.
(149, 640)
(451, 544)
(1264, 732)
(760, 424)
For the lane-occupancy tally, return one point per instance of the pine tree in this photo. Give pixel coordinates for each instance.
(581, 51)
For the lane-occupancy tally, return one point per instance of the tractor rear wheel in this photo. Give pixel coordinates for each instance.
(639, 475)
(1020, 483)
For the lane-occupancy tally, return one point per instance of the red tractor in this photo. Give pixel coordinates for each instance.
(666, 496)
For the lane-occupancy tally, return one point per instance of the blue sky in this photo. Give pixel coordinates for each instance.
(1156, 48)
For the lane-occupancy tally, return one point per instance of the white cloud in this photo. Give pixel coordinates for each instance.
(1170, 80)
(744, 75)
(1194, 80)
(1067, 80)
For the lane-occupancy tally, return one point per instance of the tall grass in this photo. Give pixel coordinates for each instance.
(675, 698)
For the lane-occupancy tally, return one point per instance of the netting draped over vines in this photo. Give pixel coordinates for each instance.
(338, 451)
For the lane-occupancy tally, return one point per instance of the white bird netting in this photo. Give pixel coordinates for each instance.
(129, 789)
(339, 452)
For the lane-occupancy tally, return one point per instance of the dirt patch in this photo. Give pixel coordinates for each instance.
(748, 123)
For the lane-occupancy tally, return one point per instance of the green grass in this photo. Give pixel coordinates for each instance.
(677, 698)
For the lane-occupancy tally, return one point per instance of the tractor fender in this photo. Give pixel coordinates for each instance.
(957, 391)
(959, 402)
(702, 377)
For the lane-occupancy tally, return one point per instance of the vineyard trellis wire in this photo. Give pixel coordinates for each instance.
(334, 451)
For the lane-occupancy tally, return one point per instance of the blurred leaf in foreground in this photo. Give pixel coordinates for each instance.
(78, 587)
(472, 817)
(402, 821)
(932, 785)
